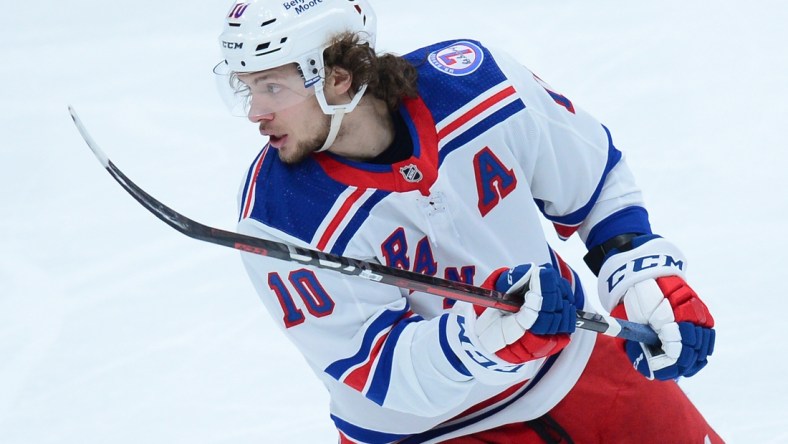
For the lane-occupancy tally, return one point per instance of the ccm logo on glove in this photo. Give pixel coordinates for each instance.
(646, 285)
(641, 264)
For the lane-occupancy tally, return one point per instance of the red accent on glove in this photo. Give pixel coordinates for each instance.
(619, 312)
(687, 306)
(489, 284)
(531, 346)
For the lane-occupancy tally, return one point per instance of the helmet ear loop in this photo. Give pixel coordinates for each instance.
(333, 109)
(337, 112)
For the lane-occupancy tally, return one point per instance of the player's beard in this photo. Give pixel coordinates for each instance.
(305, 148)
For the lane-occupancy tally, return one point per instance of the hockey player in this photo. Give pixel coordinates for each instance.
(442, 162)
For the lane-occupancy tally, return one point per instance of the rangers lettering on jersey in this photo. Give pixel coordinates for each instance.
(395, 252)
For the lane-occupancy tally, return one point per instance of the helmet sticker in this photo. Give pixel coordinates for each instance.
(459, 59)
(259, 35)
(238, 10)
(301, 6)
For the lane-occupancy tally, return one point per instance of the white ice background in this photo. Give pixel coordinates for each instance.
(116, 329)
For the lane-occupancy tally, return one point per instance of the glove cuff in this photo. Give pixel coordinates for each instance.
(654, 258)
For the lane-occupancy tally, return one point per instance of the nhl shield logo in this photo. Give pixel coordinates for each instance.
(411, 173)
(459, 59)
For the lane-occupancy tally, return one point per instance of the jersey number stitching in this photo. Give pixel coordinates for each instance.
(317, 301)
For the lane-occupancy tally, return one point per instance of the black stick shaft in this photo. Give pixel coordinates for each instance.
(353, 267)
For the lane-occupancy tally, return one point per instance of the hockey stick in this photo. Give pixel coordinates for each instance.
(409, 280)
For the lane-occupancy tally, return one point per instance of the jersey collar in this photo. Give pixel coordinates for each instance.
(416, 173)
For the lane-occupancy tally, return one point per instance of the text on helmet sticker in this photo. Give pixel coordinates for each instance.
(459, 59)
(300, 6)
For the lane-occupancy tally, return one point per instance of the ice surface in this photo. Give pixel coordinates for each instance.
(116, 329)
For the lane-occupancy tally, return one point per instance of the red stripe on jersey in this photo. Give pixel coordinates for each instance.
(565, 231)
(475, 111)
(358, 377)
(492, 401)
(343, 439)
(253, 184)
(565, 270)
(343, 211)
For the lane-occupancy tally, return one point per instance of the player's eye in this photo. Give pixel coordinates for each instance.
(273, 88)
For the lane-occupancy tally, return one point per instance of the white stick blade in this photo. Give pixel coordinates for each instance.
(89, 140)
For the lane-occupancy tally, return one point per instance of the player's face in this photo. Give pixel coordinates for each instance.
(286, 112)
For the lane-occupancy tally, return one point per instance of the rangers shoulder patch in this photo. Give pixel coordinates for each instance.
(459, 59)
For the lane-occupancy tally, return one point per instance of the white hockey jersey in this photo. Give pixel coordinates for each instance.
(495, 149)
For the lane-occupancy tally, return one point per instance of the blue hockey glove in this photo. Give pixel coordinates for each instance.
(543, 324)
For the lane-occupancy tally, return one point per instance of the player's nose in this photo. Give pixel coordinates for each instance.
(256, 117)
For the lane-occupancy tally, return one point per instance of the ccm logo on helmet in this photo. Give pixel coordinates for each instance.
(301, 6)
(232, 45)
(641, 264)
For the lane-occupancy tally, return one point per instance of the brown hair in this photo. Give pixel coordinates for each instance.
(389, 77)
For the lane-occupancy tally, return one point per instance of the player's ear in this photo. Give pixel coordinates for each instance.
(339, 81)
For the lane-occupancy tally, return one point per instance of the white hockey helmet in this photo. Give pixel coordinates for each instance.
(263, 34)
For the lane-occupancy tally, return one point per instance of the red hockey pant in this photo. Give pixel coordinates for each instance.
(611, 403)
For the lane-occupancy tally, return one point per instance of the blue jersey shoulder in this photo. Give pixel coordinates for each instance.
(294, 199)
(454, 73)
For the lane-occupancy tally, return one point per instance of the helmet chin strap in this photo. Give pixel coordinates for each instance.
(336, 122)
(337, 113)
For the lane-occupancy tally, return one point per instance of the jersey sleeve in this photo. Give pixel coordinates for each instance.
(579, 179)
(364, 335)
